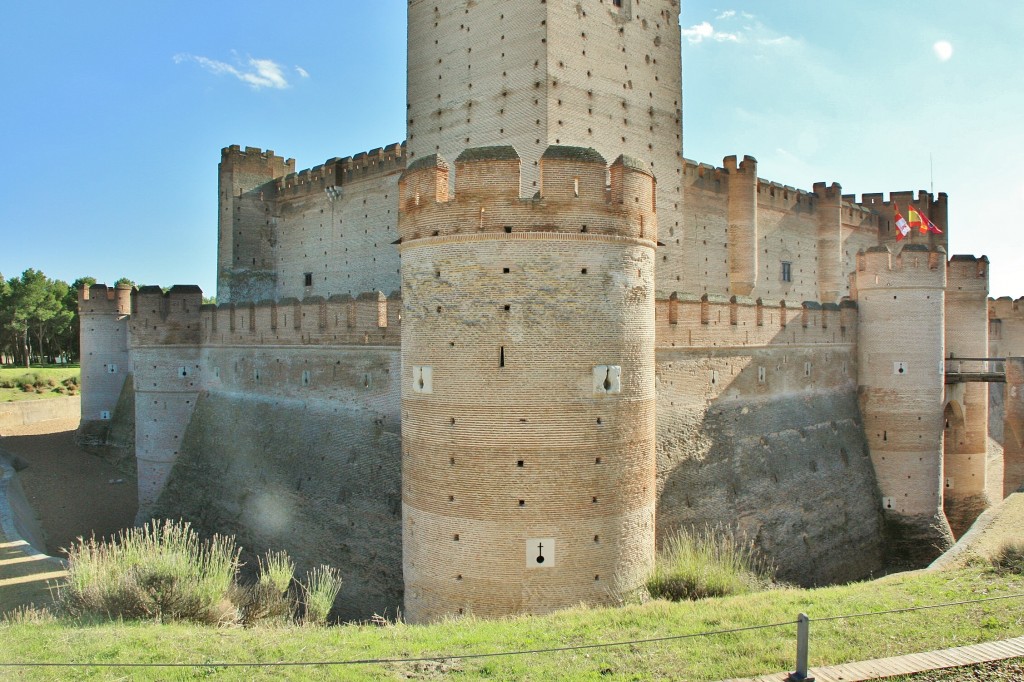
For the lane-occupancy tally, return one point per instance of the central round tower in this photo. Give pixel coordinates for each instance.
(528, 405)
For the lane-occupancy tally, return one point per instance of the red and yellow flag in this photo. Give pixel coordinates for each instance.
(915, 220)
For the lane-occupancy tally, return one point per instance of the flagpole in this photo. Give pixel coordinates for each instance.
(931, 172)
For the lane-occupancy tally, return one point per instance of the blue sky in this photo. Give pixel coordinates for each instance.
(114, 113)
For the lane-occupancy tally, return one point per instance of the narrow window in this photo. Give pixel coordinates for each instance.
(308, 279)
(787, 271)
(576, 187)
(501, 357)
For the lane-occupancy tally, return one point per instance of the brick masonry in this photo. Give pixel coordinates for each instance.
(538, 275)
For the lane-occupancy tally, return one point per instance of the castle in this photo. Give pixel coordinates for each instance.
(487, 370)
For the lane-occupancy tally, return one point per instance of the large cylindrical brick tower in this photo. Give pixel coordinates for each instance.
(900, 356)
(528, 470)
(966, 412)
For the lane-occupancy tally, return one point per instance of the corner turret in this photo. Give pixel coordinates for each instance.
(966, 409)
(244, 239)
(742, 213)
(103, 314)
(830, 241)
(900, 348)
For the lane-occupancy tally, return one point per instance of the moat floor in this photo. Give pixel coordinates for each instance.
(74, 493)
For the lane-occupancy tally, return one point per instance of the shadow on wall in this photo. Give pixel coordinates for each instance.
(320, 481)
(770, 441)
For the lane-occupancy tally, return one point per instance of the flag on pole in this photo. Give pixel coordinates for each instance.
(915, 219)
(902, 228)
(928, 226)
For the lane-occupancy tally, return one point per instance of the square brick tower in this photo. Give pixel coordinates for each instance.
(603, 74)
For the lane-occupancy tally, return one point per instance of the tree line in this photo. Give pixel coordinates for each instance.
(39, 318)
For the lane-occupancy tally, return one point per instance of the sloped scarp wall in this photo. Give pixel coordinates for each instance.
(769, 441)
(316, 478)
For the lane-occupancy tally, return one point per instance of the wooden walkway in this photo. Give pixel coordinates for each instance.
(909, 664)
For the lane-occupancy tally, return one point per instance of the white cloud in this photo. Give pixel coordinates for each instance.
(257, 73)
(943, 50)
(751, 31)
(705, 31)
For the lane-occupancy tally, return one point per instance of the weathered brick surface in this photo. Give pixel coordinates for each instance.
(103, 317)
(901, 304)
(512, 440)
(965, 441)
(535, 74)
(535, 133)
(331, 226)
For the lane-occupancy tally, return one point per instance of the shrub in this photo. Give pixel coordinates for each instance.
(271, 598)
(321, 588)
(27, 615)
(28, 381)
(712, 562)
(1010, 557)
(164, 572)
(161, 571)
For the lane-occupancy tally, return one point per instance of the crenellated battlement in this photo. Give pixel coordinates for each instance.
(575, 196)
(704, 174)
(254, 159)
(1004, 308)
(913, 266)
(709, 321)
(101, 299)
(335, 173)
(165, 318)
(179, 318)
(967, 274)
(876, 200)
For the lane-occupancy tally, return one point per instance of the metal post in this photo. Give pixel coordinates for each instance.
(803, 631)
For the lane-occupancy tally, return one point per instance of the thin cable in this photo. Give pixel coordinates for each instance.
(524, 652)
(421, 659)
(916, 608)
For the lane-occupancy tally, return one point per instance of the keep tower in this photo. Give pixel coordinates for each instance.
(601, 74)
(528, 397)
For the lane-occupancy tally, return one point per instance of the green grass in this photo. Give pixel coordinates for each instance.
(709, 562)
(699, 658)
(47, 382)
